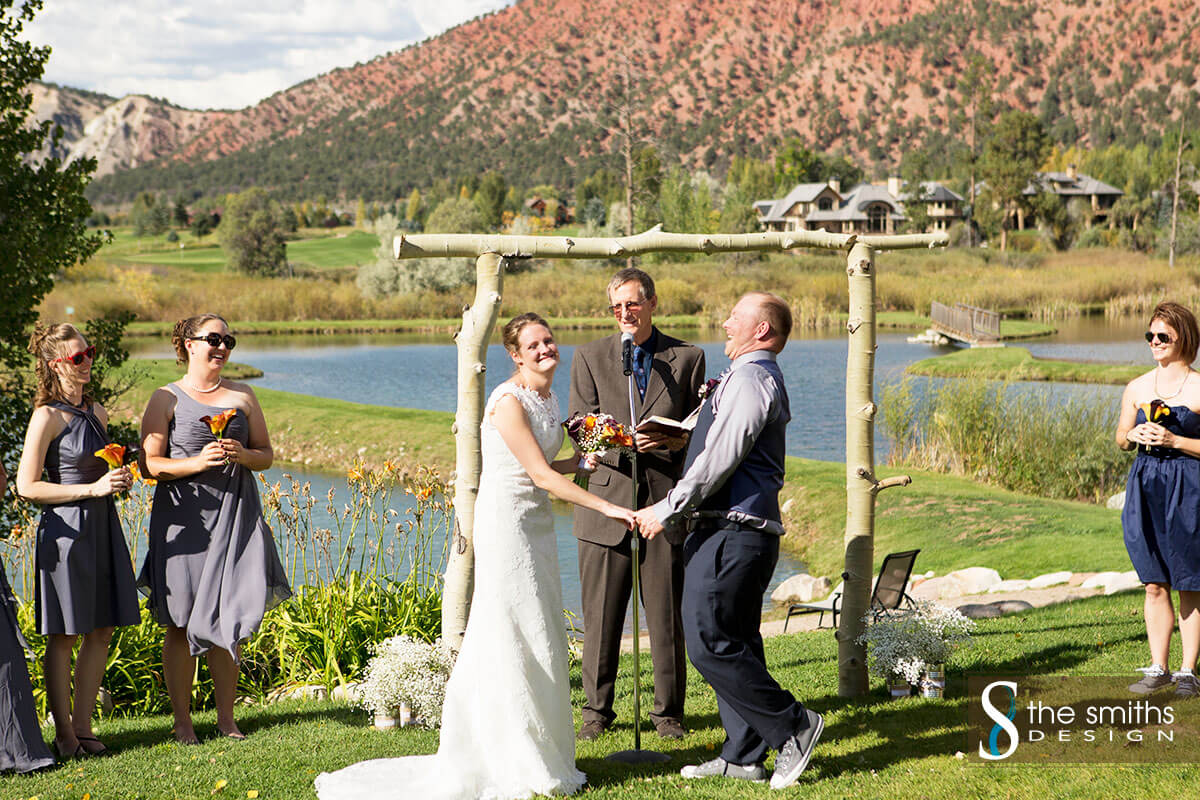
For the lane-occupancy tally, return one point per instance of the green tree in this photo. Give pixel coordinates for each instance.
(456, 215)
(360, 213)
(795, 163)
(43, 213)
(489, 198)
(202, 224)
(414, 207)
(180, 216)
(647, 183)
(148, 216)
(1011, 158)
(251, 234)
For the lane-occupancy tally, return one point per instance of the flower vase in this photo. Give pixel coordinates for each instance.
(898, 686)
(933, 681)
(399, 717)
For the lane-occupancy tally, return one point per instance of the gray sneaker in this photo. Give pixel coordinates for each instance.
(797, 750)
(720, 768)
(1154, 678)
(1186, 684)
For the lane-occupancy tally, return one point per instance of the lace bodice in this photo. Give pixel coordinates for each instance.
(498, 461)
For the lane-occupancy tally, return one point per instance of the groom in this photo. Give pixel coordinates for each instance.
(729, 498)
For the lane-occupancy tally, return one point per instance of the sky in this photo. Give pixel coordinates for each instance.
(227, 53)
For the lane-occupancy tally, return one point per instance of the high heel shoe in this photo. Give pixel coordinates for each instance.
(103, 752)
(79, 752)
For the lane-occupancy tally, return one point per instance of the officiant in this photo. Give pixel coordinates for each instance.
(668, 374)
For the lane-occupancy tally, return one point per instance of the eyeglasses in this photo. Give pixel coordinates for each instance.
(632, 306)
(1162, 338)
(77, 359)
(215, 340)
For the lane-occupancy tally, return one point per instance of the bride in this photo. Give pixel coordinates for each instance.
(506, 723)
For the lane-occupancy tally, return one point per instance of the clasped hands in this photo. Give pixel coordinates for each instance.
(222, 452)
(1151, 434)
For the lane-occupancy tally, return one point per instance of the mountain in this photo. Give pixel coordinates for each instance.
(534, 91)
(119, 134)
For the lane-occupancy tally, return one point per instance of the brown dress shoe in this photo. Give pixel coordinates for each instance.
(670, 729)
(591, 730)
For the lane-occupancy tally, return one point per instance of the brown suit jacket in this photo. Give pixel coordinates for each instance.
(599, 385)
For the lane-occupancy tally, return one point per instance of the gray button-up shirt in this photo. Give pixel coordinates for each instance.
(745, 405)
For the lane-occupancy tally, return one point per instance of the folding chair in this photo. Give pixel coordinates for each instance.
(889, 593)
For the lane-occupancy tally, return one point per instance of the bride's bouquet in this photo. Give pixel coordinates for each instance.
(597, 433)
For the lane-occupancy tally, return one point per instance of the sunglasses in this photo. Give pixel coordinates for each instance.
(77, 359)
(216, 339)
(1162, 338)
(631, 306)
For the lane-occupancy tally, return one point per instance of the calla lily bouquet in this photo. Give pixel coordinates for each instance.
(1158, 412)
(597, 433)
(218, 423)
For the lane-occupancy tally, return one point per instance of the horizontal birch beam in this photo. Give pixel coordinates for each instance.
(655, 240)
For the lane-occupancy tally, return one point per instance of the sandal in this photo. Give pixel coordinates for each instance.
(103, 752)
(79, 752)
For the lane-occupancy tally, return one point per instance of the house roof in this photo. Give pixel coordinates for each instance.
(800, 193)
(854, 205)
(932, 192)
(1061, 183)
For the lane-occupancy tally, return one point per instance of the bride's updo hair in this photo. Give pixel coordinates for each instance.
(512, 331)
(46, 344)
(186, 328)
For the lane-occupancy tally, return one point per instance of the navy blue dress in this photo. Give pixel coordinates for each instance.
(1161, 517)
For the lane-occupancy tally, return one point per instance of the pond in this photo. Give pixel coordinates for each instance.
(418, 371)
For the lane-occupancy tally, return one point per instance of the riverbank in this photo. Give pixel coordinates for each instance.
(1010, 329)
(1018, 364)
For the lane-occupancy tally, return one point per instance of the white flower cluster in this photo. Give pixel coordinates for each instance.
(410, 671)
(904, 642)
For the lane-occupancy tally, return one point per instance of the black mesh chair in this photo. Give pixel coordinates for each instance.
(890, 591)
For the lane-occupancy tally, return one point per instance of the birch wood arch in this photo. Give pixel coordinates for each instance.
(491, 252)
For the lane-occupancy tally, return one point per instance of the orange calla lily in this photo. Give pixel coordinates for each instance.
(218, 423)
(113, 455)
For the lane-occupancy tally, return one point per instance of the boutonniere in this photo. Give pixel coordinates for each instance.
(709, 387)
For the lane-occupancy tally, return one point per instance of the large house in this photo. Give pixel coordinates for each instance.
(867, 208)
(1070, 185)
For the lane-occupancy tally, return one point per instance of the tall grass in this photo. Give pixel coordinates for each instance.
(374, 572)
(1031, 442)
(1048, 287)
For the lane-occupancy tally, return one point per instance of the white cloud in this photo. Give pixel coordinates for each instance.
(228, 53)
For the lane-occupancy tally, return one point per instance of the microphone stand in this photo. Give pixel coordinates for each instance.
(637, 755)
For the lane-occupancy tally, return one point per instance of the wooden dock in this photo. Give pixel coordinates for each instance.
(977, 327)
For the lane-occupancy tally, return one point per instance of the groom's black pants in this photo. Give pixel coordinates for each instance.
(726, 571)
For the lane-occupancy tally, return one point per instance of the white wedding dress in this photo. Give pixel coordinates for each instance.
(507, 730)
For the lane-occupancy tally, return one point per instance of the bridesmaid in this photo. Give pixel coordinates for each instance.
(211, 570)
(84, 584)
(21, 745)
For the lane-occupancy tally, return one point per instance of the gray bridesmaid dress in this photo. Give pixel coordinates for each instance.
(21, 745)
(211, 567)
(84, 572)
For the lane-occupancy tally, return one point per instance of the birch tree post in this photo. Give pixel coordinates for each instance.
(861, 486)
(491, 251)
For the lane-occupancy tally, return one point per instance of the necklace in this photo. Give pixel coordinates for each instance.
(1177, 391)
(217, 385)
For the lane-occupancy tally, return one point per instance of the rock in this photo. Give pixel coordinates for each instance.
(916, 581)
(350, 692)
(1116, 502)
(1099, 580)
(1010, 585)
(1125, 582)
(979, 611)
(938, 588)
(802, 588)
(104, 698)
(303, 692)
(1049, 579)
(1078, 578)
(976, 580)
(1011, 606)
(787, 505)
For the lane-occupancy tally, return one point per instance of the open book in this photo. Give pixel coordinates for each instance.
(669, 427)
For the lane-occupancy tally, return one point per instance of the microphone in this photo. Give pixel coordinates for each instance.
(627, 352)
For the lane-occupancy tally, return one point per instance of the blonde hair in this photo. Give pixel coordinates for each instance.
(186, 328)
(46, 345)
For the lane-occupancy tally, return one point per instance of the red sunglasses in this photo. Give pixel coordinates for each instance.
(77, 359)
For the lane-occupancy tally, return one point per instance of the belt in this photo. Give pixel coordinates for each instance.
(711, 521)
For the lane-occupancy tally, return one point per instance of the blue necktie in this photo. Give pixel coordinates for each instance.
(639, 369)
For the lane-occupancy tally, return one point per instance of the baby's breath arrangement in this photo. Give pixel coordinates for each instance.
(409, 671)
(905, 642)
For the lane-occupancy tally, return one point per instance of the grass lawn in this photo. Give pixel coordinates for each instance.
(345, 248)
(873, 747)
(1017, 364)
